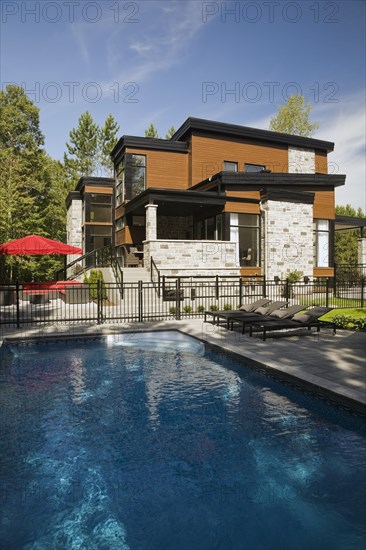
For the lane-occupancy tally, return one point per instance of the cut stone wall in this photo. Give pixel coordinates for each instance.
(175, 228)
(183, 257)
(301, 161)
(362, 251)
(74, 223)
(288, 232)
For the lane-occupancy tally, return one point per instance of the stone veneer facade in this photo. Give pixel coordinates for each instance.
(301, 161)
(74, 226)
(362, 251)
(183, 257)
(287, 238)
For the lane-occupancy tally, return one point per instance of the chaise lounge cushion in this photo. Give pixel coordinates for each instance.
(303, 317)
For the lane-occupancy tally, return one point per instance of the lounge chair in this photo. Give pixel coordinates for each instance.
(308, 319)
(271, 316)
(237, 316)
(246, 307)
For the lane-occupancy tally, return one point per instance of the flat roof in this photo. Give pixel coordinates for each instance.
(193, 124)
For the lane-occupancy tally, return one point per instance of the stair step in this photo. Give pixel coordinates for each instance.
(134, 274)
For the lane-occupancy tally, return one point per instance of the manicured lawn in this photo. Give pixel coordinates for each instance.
(356, 313)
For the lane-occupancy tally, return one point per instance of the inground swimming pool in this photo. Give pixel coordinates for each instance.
(150, 441)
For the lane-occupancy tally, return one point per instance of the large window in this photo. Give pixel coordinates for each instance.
(321, 243)
(138, 174)
(120, 181)
(100, 208)
(97, 236)
(209, 229)
(245, 230)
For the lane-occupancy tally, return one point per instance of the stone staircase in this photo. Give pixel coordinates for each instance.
(135, 274)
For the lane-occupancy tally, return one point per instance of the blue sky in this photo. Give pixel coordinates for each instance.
(162, 61)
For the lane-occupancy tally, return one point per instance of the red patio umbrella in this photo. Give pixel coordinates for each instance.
(36, 245)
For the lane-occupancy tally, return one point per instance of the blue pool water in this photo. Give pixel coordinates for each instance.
(151, 442)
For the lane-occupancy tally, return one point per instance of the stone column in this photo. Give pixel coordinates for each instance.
(151, 222)
(362, 250)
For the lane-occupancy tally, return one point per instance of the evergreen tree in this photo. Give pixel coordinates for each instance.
(294, 117)
(151, 132)
(346, 241)
(107, 141)
(83, 148)
(19, 122)
(170, 132)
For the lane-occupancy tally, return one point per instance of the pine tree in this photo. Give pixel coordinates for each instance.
(107, 141)
(83, 148)
(170, 132)
(294, 117)
(19, 122)
(151, 132)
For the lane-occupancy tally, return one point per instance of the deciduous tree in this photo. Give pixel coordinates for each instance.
(294, 118)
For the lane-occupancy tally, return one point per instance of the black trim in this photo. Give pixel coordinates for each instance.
(193, 124)
(90, 180)
(264, 179)
(287, 196)
(182, 196)
(146, 143)
(352, 223)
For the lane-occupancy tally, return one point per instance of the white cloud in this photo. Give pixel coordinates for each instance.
(344, 124)
(168, 32)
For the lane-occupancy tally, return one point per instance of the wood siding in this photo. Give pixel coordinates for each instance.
(164, 169)
(242, 207)
(250, 271)
(321, 162)
(323, 272)
(101, 190)
(324, 207)
(208, 155)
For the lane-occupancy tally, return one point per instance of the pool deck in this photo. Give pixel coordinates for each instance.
(334, 366)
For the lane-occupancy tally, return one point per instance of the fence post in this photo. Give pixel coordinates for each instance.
(264, 287)
(327, 292)
(17, 303)
(287, 290)
(177, 299)
(141, 305)
(99, 302)
(240, 290)
(362, 289)
(217, 293)
(335, 280)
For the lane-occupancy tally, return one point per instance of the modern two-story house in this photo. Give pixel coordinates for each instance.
(225, 199)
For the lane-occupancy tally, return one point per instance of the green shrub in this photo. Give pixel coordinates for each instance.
(347, 321)
(228, 307)
(200, 309)
(187, 309)
(294, 276)
(213, 307)
(172, 310)
(95, 276)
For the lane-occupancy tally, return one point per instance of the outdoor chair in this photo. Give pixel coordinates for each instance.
(237, 316)
(244, 308)
(268, 317)
(308, 319)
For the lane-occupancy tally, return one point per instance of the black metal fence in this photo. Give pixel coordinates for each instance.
(164, 299)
